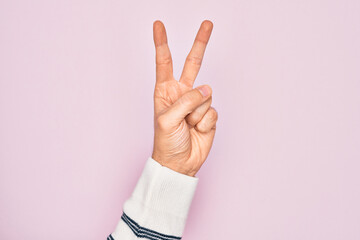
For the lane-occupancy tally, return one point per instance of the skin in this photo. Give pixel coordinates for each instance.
(184, 121)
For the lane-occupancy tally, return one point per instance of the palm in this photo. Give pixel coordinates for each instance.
(190, 144)
(167, 93)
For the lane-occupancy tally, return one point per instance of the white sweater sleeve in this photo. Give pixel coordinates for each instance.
(158, 206)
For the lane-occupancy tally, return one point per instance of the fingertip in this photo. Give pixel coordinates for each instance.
(157, 23)
(208, 25)
(159, 33)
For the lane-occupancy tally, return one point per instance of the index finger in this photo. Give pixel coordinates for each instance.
(164, 68)
(194, 59)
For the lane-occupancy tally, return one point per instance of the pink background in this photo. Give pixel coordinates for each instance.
(76, 115)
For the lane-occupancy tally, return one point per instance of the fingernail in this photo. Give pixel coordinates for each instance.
(205, 91)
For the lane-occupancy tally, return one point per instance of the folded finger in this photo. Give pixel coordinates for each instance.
(195, 116)
(208, 122)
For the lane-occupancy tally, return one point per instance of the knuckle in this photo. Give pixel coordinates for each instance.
(197, 96)
(199, 127)
(191, 97)
(164, 60)
(213, 115)
(203, 127)
(193, 118)
(186, 100)
(209, 122)
(194, 60)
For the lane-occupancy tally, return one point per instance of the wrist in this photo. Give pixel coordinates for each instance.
(175, 164)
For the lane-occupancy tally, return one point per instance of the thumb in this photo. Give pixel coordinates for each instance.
(187, 103)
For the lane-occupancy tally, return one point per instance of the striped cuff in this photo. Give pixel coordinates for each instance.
(142, 232)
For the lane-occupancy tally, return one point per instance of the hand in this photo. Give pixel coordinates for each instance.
(184, 120)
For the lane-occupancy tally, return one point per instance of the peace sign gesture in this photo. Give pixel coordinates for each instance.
(184, 121)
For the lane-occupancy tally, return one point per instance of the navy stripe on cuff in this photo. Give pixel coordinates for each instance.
(110, 237)
(142, 232)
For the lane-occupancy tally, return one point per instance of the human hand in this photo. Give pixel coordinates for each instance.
(184, 121)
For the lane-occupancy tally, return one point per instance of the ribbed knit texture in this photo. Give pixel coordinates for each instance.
(159, 203)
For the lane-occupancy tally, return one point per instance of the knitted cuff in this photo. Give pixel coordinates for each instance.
(161, 199)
